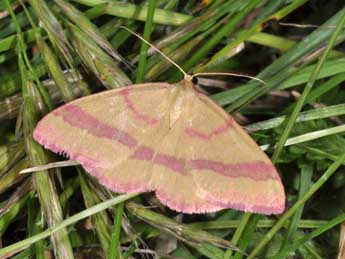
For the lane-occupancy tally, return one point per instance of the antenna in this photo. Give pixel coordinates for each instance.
(228, 74)
(156, 49)
(186, 76)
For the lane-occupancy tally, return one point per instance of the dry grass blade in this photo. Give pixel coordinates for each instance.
(9, 107)
(181, 231)
(21, 191)
(88, 27)
(12, 176)
(341, 253)
(57, 73)
(9, 155)
(98, 61)
(52, 26)
(100, 221)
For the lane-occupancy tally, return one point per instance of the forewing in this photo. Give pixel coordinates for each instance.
(104, 130)
(227, 165)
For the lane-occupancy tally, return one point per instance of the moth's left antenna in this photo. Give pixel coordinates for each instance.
(156, 49)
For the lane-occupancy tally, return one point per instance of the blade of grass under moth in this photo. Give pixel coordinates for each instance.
(239, 231)
(70, 188)
(144, 47)
(227, 215)
(288, 214)
(115, 248)
(44, 185)
(63, 224)
(307, 89)
(262, 223)
(100, 221)
(182, 252)
(305, 181)
(180, 231)
(297, 243)
(247, 235)
(136, 12)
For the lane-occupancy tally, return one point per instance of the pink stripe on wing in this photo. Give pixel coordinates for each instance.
(256, 170)
(76, 117)
(136, 112)
(176, 164)
(171, 162)
(207, 136)
(271, 208)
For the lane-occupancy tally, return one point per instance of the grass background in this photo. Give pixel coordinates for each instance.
(52, 52)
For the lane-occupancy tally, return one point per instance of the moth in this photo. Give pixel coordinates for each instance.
(170, 139)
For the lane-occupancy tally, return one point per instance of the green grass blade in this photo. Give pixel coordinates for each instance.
(306, 91)
(225, 30)
(317, 185)
(131, 11)
(144, 47)
(67, 222)
(115, 248)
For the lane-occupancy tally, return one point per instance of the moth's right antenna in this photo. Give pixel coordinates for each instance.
(228, 74)
(156, 49)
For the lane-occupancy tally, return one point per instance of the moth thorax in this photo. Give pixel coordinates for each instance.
(176, 109)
